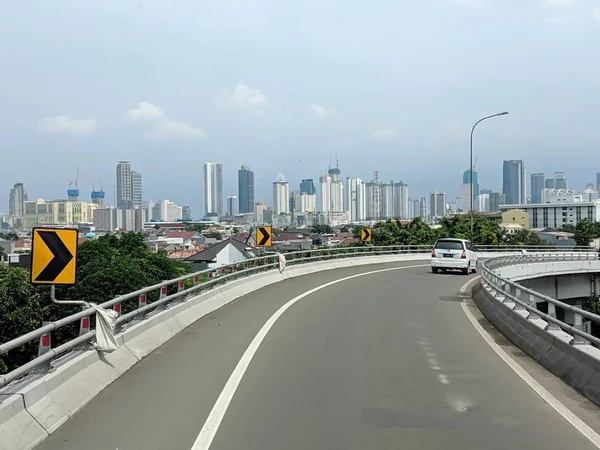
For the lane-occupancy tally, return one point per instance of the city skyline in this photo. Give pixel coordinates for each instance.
(399, 97)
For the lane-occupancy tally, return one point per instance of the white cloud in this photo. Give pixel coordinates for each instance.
(245, 97)
(562, 18)
(146, 111)
(383, 134)
(160, 127)
(66, 124)
(596, 13)
(321, 111)
(561, 3)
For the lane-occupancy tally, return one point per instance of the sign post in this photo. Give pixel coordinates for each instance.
(54, 259)
(366, 234)
(264, 235)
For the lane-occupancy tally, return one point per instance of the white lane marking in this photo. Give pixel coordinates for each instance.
(214, 419)
(559, 407)
(443, 378)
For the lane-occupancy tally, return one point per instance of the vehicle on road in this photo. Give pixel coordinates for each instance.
(453, 254)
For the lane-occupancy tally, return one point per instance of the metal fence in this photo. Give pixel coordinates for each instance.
(140, 306)
(525, 299)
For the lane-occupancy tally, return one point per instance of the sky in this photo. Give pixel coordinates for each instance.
(286, 87)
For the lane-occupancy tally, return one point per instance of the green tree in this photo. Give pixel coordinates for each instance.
(109, 266)
(322, 229)
(568, 228)
(585, 232)
(344, 229)
(9, 236)
(485, 232)
(214, 235)
(197, 227)
(524, 238)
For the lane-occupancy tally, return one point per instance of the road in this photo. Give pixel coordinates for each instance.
(383, 361)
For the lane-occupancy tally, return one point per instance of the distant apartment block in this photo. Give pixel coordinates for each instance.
(245, 190)
(555, 215)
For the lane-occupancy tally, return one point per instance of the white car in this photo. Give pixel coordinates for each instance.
(449, 254)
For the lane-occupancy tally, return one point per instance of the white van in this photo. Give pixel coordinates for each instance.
(449, 254)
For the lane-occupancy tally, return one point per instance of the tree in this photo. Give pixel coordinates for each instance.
(568, 228)
(524, 238)
(197, 227)
(9, 236)
(585, 232)
(344, 229)
(214, 235)
(112, 265)
(322, 229)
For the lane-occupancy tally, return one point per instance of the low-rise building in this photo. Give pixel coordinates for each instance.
(556, 215)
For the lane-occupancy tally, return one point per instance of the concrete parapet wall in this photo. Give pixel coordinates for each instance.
(578, 365)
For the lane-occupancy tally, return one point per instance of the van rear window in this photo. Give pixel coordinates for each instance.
(449, 245)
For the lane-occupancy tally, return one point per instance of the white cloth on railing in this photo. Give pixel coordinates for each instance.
(281, 262)
(106, 322)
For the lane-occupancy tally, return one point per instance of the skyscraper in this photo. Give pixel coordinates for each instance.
(307, 186)
(336, 190)
(538, 181)
(213, 189)
(560, 180)
(136, 189)
(246, 190)
(402, 204)
(232, 205)
(124, 185)
(437, 204)
(16, 202)
(281, 196)
(465, 190)
(513, 182)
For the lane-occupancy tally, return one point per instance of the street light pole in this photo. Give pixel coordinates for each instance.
(471, 165)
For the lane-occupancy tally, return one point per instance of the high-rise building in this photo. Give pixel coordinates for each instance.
(232, 205)
(549, 183)
(598, 181)
(246, 190)
(186, 213)
(354, 199)
(386, 191)
(560, 180)
(124, 185)
(325, 187)
(213, 189)
(437, 204)
(136, 189)
(281, 196)
(336, 190)
(16, 201)
(259, 209)
(402, 204)
(496, 200)
(307, 186)
(465, 190)
(513, 182)
(425, 211)
(538, 181)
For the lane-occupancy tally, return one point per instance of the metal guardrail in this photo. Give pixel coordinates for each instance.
(527, 299)
(193, 284)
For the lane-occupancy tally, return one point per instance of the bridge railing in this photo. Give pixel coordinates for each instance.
(526, 300)
(141, 304)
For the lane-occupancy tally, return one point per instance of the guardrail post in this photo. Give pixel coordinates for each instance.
(532, 304)
(518, 296)
(117, 308)
(196, 280)
(551, 313)
(44, 347)
(578, 324)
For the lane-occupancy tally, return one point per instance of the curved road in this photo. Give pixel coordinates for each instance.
(387, 360)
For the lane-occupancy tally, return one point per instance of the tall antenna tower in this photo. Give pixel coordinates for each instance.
(376, 197)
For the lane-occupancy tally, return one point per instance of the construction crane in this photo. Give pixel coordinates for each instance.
(73, 191)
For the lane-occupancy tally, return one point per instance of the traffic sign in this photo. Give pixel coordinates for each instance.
(366, 234)
(263, 236)
(54, 255)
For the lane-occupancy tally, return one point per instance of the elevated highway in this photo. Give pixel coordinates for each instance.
(381, 355)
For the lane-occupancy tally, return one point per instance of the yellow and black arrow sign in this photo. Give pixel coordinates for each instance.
(53, 255)
(366, 234)
(263, 236)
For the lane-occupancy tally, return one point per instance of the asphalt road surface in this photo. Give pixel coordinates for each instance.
(382, 361)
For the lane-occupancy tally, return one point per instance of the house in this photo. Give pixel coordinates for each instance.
(226, 252)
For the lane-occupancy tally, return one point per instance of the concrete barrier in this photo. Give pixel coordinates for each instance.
(33, 409)
(578, 365)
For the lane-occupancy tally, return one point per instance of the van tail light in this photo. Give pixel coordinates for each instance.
(464, 255)
(433, 253)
